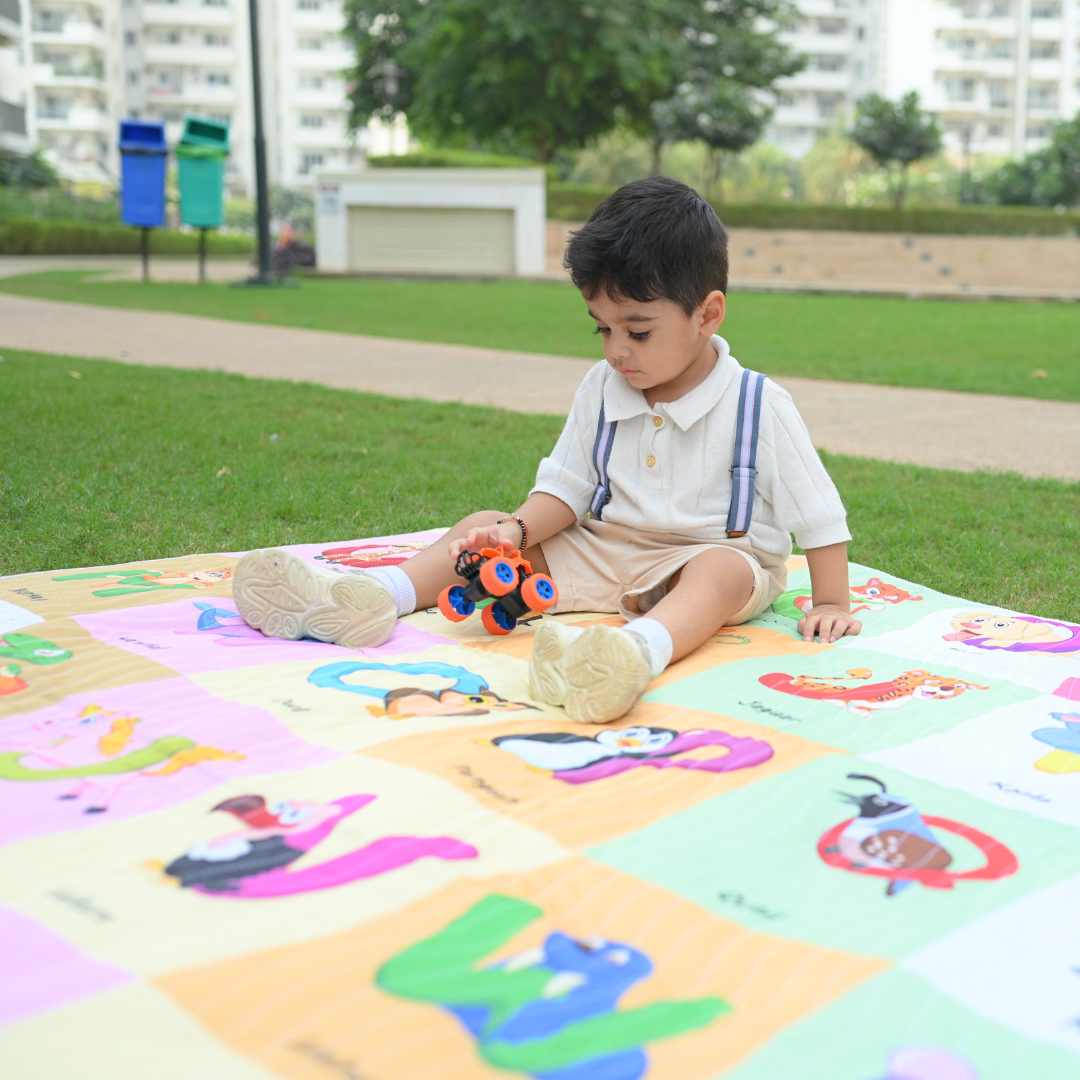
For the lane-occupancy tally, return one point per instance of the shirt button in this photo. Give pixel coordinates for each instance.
(657, 421)
(650, 461)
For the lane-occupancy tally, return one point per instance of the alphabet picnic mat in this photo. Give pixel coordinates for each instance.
(233, 857)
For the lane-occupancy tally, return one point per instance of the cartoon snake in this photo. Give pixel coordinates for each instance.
(158, 751)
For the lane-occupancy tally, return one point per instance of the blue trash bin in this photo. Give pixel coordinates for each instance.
(143, 154)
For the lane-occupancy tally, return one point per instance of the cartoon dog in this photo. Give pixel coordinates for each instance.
(1015, 633)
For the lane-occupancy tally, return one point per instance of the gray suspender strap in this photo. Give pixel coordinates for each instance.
(601, 454)
(743, 470)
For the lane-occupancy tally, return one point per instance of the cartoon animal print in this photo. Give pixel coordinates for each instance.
(29, 649)
(1065, 757)
(550, 1012)
(126, 582)
(580, 759)
(468, 696)
(1015, 633)
(890, 838)
(368, 555)
(253, 864)
(873, 596)
(234, 633)
(911, 686)
(928, 1063)
(101, 750)
(10, 683)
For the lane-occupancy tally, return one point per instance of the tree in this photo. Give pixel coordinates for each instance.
(514, 75)
(725, 115)
(899, 132)
(729, 49)
(26, 171)
(1048, 177)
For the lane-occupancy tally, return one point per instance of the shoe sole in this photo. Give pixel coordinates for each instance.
(285, 597)
(547, 679)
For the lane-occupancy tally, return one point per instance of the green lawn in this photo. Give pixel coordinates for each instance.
(125, 464)
(990, 347)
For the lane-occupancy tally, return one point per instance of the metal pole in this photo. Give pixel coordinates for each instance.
(202, 256)
(145, 254)
(262, 197)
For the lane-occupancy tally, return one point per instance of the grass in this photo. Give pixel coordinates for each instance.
(126, 464)
(985, 347)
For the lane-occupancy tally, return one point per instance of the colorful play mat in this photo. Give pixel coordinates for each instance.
(231, 857)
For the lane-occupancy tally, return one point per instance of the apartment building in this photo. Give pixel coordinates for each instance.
(997, 72)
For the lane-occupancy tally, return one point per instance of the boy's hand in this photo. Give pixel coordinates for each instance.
(828, 622)
(489, 536)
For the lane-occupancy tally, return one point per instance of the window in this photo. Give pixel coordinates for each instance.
(1046, 9)
(131, 37)
(217, 40)
(1042, 96)
(309, 162)
(218, 78)
(832, 26)
(999, 48)
(311, 120)
(1000, 9)
(309, 43)
(220, 117)
(958, 89)
(1038, 131)
(785, 100)
(828, 105)
(999, 95)
(308, 5)
(1045, 50)
(860, 33)
(311, 82)
(216, 3)
(133, 78)
(995, 131)
(829, 62)
(166, 37)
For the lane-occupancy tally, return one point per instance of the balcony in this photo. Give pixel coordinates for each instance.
(70, 32)
(192, 94)
(328, 21)
(212, 17)
(81, 76)
(72, 118)
(191, 55)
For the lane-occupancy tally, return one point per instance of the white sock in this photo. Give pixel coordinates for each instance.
(397, 581)
(655, 635)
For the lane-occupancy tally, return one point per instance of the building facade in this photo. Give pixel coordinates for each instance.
(997, 72)
(13, 90)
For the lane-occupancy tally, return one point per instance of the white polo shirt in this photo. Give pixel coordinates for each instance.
(670, 466)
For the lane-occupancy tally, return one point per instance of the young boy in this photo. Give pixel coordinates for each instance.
(684, 535)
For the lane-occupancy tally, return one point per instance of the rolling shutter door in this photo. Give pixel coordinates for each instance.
(389, 239)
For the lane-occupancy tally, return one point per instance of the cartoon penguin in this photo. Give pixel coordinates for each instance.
(559, 751)
(889, 834)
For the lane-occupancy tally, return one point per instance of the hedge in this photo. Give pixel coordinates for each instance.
(455, 159)
(37, 236)
(575, 202)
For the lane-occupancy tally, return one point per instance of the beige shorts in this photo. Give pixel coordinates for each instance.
(600, 566)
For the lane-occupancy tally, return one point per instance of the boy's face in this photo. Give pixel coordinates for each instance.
(656, 346)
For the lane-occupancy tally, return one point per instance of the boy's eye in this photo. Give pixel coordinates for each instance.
(602, 330)
(642, 336)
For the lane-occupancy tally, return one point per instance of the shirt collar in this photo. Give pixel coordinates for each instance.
(622, 401)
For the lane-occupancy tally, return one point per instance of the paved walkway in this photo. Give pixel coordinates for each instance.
(129, 267)
(921, 427)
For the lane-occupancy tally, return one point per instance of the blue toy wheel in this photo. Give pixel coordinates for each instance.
(505, 572)
(545, 589)
(454, 605)
(497, 620)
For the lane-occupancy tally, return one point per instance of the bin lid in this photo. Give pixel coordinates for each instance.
(200, 132)
(143, 136)
(186, 150)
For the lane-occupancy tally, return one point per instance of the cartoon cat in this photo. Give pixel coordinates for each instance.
(873, 596)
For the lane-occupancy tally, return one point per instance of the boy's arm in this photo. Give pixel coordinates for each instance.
(830, 617)
(544, 516)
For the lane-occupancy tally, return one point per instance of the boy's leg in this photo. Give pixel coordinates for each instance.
(287, 597)
(599, 673)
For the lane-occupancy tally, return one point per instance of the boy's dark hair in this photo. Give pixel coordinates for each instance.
(653, 239)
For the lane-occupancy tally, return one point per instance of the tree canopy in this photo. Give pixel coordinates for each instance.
(896, 132)
(1048, 177)
(540, 76)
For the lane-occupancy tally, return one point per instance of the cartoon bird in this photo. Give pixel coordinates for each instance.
(889, 834)
(558, 751)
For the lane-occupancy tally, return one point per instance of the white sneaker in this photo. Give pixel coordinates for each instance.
(597, 673)
(285, 597)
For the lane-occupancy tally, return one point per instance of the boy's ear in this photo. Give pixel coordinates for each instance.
(711, 312)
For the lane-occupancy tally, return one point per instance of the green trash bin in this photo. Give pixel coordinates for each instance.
(201, 157)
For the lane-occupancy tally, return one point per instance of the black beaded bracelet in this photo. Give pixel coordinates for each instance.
(524, 529)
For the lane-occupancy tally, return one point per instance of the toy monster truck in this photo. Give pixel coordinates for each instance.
(500, 575)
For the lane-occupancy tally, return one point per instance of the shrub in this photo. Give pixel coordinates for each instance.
(451, 159)
(575, 202)
(34, 236)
